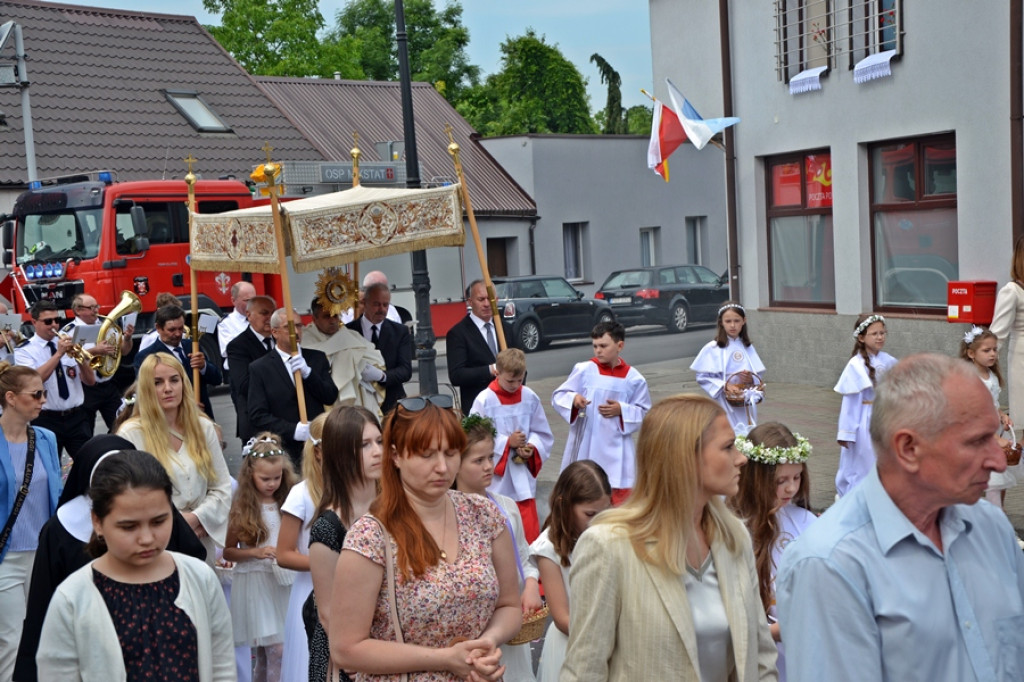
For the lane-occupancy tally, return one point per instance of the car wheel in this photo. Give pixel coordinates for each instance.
(605, 317)
(680, 318)
(529, 336)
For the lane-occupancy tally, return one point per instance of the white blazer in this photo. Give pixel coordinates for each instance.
(631, 620)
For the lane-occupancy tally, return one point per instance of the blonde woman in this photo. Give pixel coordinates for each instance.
(166, 423)
(674, 591)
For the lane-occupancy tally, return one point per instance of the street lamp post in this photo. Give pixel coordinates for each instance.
(425, 353)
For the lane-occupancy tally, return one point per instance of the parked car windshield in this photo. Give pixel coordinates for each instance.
(706, 276)
(628, 279)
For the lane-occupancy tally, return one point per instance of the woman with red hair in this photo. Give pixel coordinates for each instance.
(452, 577)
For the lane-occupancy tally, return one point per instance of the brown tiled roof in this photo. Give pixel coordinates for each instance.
(328, 111)
(96, 78)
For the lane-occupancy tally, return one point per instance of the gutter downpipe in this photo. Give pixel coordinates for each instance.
(730, 150)
(1017, 118)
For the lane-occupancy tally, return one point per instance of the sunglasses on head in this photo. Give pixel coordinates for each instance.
(38, 395)
(417, 403)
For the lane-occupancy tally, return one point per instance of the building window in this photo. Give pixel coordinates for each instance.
(801, 255)
(696, 237)
(914, 226)
(873, 26)
(649, 246)
(804, 36)
(196, 111)
(573, 235)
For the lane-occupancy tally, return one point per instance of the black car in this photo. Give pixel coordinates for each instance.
(541, 309)
(672, 295)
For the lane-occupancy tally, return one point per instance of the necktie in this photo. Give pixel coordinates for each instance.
(268, 343)
(62, 381)
(489, 328)
(374, 339)
(181, 356)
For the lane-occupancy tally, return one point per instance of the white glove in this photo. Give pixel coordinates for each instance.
(301, 431)
(371, 373)
(297, 363)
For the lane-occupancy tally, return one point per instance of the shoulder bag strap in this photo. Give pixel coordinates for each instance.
(19, 500)
(389, 569)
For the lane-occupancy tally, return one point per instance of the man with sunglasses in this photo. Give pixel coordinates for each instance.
(63, 379)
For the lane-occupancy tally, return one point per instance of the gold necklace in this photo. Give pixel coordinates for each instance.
(444, 533)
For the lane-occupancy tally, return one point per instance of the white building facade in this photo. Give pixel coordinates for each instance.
(866, 185)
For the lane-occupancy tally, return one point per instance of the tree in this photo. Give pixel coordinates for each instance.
(279, 38)
(437, 43)
(639, 119)
(614, 120)
(537, 90)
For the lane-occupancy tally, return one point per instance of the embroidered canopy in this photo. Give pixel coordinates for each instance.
(329, 230)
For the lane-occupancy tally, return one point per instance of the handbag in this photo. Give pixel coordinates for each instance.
(26, 480)
(389, 569)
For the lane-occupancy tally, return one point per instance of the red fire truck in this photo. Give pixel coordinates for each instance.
(89, 233)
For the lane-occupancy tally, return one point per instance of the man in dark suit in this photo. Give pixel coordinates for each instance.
(250, 345)
(393, 340)
(170, 328)
(273, 404)
(471, 346)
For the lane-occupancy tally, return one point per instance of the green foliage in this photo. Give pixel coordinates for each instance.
(614, 120)
(639, 119)
(279, 38)
(537, 91)
(437, 43)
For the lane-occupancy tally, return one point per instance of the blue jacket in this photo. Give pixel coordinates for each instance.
(46, 446)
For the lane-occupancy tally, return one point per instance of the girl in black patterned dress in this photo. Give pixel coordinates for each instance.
(138, 612)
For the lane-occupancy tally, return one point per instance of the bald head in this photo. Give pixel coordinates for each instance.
(374, 277)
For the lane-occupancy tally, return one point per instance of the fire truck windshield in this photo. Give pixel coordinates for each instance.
(58, 236)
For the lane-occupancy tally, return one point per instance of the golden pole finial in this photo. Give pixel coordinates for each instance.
(355, 159)
(453, 146)
(267, 149)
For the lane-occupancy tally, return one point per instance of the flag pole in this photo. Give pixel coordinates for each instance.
(271, 170)
(453, 149)
(190, 180)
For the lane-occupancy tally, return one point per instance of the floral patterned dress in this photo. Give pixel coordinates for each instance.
(449, 600)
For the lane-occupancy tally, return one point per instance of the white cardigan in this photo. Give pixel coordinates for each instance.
(78, 640)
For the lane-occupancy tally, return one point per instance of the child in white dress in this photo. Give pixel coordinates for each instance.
(731, 359)
(476, 474)
(774, 501)
(581, 492)
(260, 588)
(980, 347)
(857, 386)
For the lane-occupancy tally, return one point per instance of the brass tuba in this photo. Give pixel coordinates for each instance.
(110, 332)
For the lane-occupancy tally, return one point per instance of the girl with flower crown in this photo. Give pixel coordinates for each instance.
(774, 500)
(980, 347)
(730, 359)
(260, 588)
(857, 385)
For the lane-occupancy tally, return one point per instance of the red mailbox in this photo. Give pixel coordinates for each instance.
(971, 302)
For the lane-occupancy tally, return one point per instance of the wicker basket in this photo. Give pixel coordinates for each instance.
(1012, 450)
(532, 628)
(735, 386)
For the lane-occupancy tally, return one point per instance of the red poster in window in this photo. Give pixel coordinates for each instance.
(819, 181)
(786, 184)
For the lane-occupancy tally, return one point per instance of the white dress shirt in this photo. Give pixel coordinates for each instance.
(233, 324)
(35, 353)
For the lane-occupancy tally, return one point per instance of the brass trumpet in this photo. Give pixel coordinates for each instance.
(77, 352)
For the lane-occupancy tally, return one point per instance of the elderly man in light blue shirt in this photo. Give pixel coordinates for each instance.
(909, 577)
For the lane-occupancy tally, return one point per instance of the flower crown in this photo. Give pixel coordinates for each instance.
(737, 306)
(276, 451)
(975, 332)
(863, 326)
(797, 454)
(474, 420)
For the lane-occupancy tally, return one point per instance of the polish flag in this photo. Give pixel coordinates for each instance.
(666, 136)
(698, 130)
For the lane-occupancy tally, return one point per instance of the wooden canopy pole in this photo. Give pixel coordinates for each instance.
(453, 149)
(272, 170)
(190, 180)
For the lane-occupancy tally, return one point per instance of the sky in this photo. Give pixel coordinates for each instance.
(619, 31)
